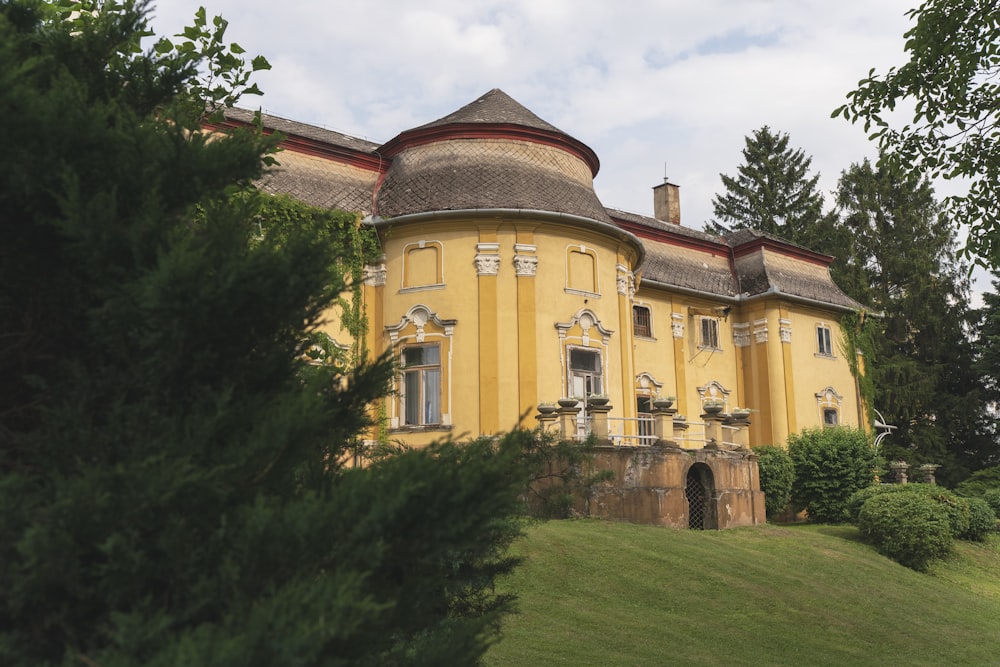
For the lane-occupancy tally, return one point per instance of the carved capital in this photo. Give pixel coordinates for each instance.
(741, 334)
(487, 265)
(374, 274)
(760, 331)
(525, 265)
(677, 324)
(785, 330)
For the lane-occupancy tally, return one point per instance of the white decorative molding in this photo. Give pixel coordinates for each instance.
(677, 324)
(587, 321)
(785, 330)
(829, 397)
(419, 315)
(741, 334)
(487, 265)
(760, 330)
(521, 248)
(375, 275)
(625, 281)
(525, 265)
(488, 247)
(645, 382)
(714, 390)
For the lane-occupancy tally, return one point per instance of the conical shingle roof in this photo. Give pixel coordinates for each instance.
(495, 107)
(493, 153)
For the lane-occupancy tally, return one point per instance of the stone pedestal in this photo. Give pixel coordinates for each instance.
(567, 421)
(713, 428)
(927, 471)
(599, 421)
(738, 432)
(663, 424)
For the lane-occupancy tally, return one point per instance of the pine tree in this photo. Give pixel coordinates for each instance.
(772, 192)
(898, 255)
(170, 472)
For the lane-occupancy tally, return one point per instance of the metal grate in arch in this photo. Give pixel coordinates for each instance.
(696, 497)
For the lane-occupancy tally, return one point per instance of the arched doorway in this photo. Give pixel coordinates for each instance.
(700, 492)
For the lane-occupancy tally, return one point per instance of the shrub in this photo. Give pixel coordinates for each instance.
(777, 474)
(992, 498)
(830, 465)
(910, 528)
(957, 508)
(982, 520)
(859, 497)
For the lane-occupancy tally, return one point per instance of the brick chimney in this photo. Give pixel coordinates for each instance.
(667, 202)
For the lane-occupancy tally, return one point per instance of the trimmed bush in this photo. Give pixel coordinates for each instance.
(777, 474)
(982, 520)
(859, 497)
(957, 508)
(830, 465)
(910, 528)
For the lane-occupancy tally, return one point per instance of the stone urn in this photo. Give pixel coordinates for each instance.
(568, 402)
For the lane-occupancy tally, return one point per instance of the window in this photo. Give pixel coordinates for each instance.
(420, 402)
(823, 340)
(584, 372)
(641, 322)
(830, 417)
(709, 333)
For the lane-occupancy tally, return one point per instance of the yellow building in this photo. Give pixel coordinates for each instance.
(506, 282)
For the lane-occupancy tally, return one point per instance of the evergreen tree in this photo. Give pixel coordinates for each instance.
(898, 255)
(170, 470)
(772, 192)
(988, 361)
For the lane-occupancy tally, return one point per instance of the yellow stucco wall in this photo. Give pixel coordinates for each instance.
(507, 287)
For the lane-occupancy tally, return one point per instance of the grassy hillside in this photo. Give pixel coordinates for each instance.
(602, 593)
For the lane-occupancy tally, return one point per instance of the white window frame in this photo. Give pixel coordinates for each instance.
(712, 340)
(428, 407)
(824, 340)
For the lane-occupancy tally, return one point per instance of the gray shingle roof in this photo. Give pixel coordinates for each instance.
(484, 174)
(294, 128)
(495, 107)
(751, 274)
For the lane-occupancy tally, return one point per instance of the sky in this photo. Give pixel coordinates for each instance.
(657, 88)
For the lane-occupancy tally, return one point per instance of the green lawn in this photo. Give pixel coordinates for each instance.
(603, 593)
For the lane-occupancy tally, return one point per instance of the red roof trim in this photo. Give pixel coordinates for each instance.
(306, 146)
(642, 231)
(759, 244)
(428, 135)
